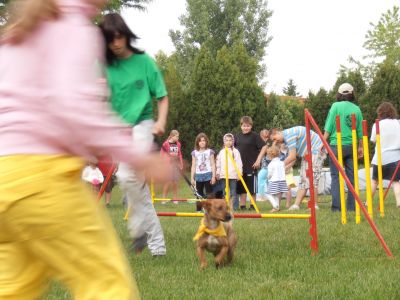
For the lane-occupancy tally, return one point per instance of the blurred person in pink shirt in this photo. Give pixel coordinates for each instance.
(52, 119)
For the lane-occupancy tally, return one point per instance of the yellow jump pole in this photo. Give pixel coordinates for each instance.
(380, 183)
(341, 182)
(227, 190)
(152, 190)
(127, 212)
(355, 162)
(244, 184)
(367, 169)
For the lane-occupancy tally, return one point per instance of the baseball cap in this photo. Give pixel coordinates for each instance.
(345, 88)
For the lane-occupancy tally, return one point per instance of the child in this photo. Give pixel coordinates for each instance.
(203, 167)
(249, 145)
(171, 149)
(262, 173)
(284, 152)
(276, 178)
(92, 174)
(221, 167)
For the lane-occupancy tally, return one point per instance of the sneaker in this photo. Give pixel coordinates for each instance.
(316, 206)
(175, 202)
(294, 207)
(274, 210)
(242, 207)
(251, 207)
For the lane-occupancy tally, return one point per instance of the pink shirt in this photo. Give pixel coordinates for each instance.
(52, 97)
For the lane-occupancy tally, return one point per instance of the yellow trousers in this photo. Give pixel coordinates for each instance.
(52, 228)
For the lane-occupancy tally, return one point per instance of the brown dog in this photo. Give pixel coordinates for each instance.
(215, 233)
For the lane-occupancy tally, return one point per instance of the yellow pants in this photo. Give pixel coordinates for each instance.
(52, 228)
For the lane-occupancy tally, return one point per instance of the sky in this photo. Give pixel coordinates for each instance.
(310, 38)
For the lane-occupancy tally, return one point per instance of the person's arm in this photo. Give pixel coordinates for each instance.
(212, 158)
(326, 136)
(291, 157)
(192, 170)
(218, 165)
(260, 156)
(180, 155)
(239, 163)
(162, 114)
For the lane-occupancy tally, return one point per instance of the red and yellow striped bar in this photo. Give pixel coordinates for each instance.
(238, 216)
(380, 180)
(343, 209)
(355, 162)
(176, 200)
(367, 169)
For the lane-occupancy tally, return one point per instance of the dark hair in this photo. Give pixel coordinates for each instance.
(346, 97)
(111, 25)
(198, 138)
(386, 110)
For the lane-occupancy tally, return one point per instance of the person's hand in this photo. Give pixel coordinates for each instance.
(217, 176)
(193, 182)
(158, 128)
(154, 167)
(213, 180)
(360, 152)
(256, 165)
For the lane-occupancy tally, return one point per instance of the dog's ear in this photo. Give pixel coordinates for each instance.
(206, 204)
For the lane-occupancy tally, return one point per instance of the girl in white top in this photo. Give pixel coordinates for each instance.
(276, 177)
(203, 167)
(221, 165)
(389, 127)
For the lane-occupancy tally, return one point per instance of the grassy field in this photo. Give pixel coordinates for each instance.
(272, 259)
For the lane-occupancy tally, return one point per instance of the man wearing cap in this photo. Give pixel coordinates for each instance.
(344, 107)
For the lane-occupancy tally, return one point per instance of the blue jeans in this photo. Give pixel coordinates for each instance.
(348, 165)
(262, 182)
(232, 191)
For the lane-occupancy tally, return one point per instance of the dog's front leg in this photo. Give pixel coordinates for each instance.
(202, 256)
(219, 258)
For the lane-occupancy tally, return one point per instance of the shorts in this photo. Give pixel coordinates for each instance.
(251, 183)
(387, 171)
(317, 163)
(110, 184)
(291, 183)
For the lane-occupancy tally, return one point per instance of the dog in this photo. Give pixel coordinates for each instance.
(215, 233)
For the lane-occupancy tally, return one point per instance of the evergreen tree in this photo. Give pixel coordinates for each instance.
(318, 105)
(291, 89)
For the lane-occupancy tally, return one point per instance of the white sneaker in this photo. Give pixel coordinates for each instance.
(316, 206)
(294, 207)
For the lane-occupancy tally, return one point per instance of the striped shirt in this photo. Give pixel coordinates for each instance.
(295, 138)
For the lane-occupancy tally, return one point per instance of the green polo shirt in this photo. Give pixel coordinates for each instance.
(344, 109)
(134, 83)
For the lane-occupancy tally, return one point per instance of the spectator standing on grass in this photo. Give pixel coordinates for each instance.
(135, 80)
(389, 126)
(203, 167)
(344, 107)
(171, 150)
(221, 167)
(295, 140)
(249, 144)
(263, 172)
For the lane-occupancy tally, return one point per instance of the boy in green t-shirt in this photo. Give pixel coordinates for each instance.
(135, 80)
(344, 108)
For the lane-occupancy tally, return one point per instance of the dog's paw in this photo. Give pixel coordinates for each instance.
(203, 266)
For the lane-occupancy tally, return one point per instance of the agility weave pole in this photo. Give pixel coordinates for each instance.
(355, 163)
(310, 119)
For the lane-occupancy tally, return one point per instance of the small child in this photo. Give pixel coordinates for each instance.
(92, 174)
(221, 167)
(171, 149)
(289, 173)
(203, 167)
(276, 177)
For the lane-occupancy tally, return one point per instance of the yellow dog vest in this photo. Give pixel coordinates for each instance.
(219, 231)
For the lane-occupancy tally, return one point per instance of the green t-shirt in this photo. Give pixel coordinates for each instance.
(344, 109)
(134, 82)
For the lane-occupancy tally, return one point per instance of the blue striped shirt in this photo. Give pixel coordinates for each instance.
(295, 138)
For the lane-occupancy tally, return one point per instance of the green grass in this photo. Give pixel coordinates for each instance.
(272, 259)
